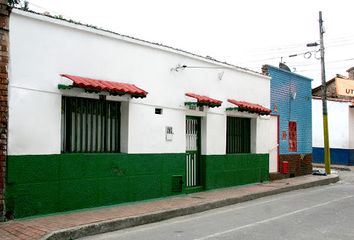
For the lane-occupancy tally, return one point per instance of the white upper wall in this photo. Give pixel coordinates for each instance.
(338, 124)
(351, 128)
(42, 48)
(45, 47)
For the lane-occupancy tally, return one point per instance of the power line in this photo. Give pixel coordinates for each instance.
(286, 49)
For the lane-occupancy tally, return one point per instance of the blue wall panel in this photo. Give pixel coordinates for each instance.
(338, 156)
(291, 107)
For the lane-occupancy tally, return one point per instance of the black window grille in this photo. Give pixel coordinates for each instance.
(90, 125)
(238, 135)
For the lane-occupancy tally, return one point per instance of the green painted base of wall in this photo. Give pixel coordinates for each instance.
(41, 184)
(234, 169)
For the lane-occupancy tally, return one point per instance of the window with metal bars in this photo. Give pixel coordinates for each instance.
(292, 137)
(238, 135)
(90, 125)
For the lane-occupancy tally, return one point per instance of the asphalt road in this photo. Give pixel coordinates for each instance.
(317, 213)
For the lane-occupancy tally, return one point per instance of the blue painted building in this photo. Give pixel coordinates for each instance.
(291, 106)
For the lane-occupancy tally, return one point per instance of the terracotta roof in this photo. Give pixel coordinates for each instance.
(204, 100)
(115, 88)
(250, 107)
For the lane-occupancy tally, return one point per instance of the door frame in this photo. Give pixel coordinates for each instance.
(198, 152)
(278, 141)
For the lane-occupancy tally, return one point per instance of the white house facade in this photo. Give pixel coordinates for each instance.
(340, 105)
(109, 118)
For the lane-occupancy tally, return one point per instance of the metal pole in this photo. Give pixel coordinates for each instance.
(327, 158)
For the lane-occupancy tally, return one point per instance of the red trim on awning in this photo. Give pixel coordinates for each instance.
(205, 100)
(251, 107)
(103, 85)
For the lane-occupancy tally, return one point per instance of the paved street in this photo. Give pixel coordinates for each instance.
(316, 213)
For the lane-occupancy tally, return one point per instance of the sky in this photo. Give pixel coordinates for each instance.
(248, 33)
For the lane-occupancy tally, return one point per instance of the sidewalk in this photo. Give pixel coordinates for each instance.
(100, 220)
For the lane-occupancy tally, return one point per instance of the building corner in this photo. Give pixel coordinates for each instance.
(4, 56)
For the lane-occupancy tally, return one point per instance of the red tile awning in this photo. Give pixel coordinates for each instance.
(95, 85)
(249, 107)
(204, 100)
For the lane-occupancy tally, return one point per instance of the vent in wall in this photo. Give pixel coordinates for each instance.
(158, 111)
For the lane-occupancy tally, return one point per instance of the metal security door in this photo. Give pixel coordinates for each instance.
(192, 152)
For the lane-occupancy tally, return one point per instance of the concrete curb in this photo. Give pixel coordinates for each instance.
(118, 224)
(340, 168)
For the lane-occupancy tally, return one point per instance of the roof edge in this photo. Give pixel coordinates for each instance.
(334, 99)
(282, 70)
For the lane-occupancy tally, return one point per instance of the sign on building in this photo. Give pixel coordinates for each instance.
(345, 87)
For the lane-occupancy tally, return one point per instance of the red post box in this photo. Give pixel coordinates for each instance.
(285, 167)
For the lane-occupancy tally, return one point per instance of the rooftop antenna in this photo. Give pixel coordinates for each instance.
(284, 66)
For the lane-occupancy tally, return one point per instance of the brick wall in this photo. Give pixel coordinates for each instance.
(331, 89)
(4, 35)
(299, 164)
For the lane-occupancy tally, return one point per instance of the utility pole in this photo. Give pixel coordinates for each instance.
(327, 158)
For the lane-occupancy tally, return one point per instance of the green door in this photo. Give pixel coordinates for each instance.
(192, 151)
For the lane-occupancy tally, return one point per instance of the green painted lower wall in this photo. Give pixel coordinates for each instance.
(234, 169)
(41, 184)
